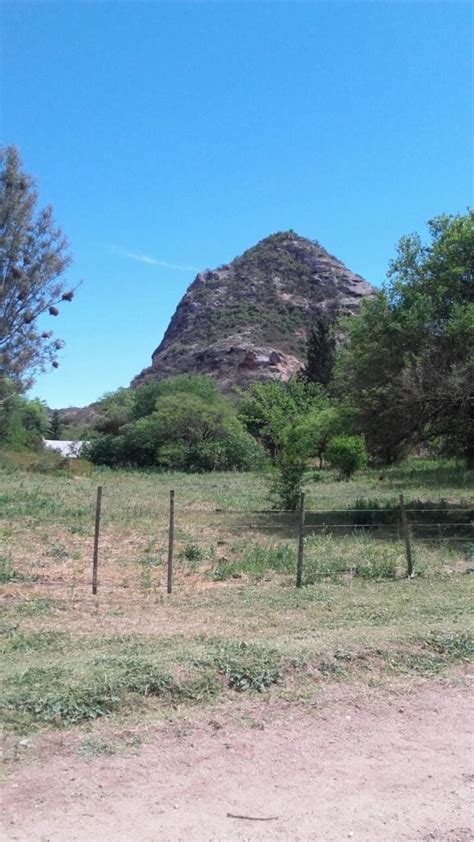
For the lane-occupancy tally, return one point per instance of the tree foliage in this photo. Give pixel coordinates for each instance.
(33, 257)
(348, 454)
(179, 424)
(408, 365)
(270, 407)
(320, 353)
(23, 423)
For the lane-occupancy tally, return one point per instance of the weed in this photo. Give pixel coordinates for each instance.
(94, 746)
(23, 641)
(433, 653)
(39, 606)
(454, 647)
(46, 694)
(249, 666)
(8, 572)
(59, 552)
(146, 579)
(330, 669)
(256, 561)
(192, 553)
(377, 566)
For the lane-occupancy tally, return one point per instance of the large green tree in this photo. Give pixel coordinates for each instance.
(33, 259)
(320, 352)
(408, 365)
(269, 407)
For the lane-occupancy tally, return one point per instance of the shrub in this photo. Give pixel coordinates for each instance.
(287, 481)
(348, 454)
(105, 450)
(184, 433)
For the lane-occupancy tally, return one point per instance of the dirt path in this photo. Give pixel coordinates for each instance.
(398, 772)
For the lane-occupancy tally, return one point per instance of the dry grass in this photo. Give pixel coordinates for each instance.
(232, 585)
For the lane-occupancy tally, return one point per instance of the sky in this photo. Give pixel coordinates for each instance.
(171, 136)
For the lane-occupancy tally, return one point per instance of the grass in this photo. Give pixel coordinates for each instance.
(234, 624)
(8, 573)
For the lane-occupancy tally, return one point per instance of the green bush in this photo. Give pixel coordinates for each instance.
(23, 422)
(287, 481)
(348, 454)
(185, 431)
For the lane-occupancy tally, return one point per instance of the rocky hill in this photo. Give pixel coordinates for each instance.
(250, 318)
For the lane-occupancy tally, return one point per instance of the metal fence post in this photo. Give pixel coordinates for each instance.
(171, 544)
(299, 564)
(95, 560)
(406, 536)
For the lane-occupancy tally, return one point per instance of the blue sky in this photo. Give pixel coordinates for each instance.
(171, 136)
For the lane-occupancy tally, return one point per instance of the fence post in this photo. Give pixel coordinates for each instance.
(299, 564)
(95, 560)
(171, 544)
(406, 536)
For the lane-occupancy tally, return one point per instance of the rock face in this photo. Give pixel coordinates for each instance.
(249, 319)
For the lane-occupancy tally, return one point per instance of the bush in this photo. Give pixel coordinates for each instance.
(287, 481)
(348, 454)
(185, 432)
(105, 450)
(236, 452)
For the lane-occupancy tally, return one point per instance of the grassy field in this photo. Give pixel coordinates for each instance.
(234, 623)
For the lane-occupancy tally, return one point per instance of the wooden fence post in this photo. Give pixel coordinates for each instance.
(95, 560)
(406, 536)
(299, 564)
(171, 544)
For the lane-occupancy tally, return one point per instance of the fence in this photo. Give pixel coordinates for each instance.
(398, 522)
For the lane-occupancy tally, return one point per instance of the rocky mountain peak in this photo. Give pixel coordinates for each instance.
(249, 319)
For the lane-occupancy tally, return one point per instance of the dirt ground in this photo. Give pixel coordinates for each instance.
(399, 769)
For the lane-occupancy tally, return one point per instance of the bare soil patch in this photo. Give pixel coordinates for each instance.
(393, 769)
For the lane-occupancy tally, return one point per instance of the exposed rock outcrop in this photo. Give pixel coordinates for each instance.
(249, 319)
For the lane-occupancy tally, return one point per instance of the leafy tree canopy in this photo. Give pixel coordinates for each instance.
(33, 257)
(269, 408)
(408, 366)
(182, 424)
(23, 423)
(320, 353)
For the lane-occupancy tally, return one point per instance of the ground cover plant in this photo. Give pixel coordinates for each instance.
(235, 623)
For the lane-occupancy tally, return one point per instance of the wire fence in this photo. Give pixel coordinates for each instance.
(180, 527)
(395, 522)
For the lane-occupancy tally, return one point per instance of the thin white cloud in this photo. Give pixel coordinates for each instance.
(152, 261)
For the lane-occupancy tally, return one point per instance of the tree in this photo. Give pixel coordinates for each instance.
(23, 423)
(145, 397)
(115, 409)
(308, 436)
(408, 364)
(320, 353)
(55, 425)
(347, 453)
(33, 257)
(268, 408)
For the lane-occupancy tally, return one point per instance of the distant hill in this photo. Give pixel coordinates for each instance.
(249, 319)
